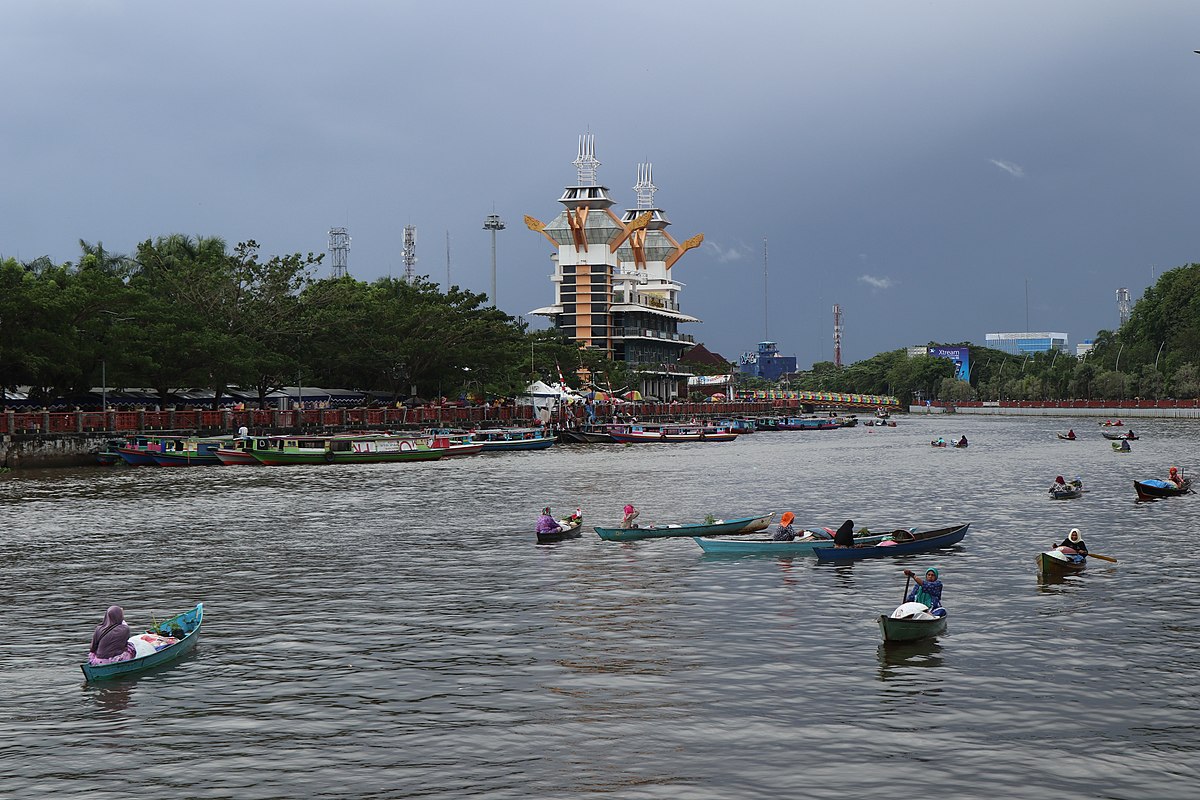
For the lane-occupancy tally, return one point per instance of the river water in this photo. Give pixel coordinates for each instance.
(393, 630)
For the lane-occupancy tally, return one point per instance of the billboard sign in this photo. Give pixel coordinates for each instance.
(960, 357)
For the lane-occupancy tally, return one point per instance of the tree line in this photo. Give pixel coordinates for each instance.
(186, 312)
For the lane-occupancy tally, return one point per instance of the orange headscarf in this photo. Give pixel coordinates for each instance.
(787, 518)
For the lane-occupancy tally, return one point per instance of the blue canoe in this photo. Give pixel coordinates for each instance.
(190, 622)
(919, 542)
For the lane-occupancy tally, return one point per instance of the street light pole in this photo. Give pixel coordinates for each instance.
(493, 223)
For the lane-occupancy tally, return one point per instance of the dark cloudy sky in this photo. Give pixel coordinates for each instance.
(920, 163)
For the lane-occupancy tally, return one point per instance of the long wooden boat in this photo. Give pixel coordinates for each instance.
(189, 621)
(646, 433)
(721, 526)
(809, 424)
(1052, 562)
(1131, 436)
(138, 451)
(570, 530)
(1066, 438)
(1154, 489)
(904, 629)
(192, 452)
(1108, 423)
(108, 455)
(804, 545)
(240, 451)
(1070, 493)
(512, 439)
(738, 425)
(351, 449)
(906, 543)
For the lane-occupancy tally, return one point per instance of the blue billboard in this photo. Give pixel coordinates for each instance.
(960, 357)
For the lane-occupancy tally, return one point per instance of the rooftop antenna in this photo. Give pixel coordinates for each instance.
(586, 163)
(339, 245)
(410, 252)
(447, 262)
(837, 335)
(1123, 305)
(645, 187)
(1027, 329)
(766, 327)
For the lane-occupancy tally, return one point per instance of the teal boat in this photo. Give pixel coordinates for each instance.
(911, 629)
(720, 526)
(189, 622)
(351, 449)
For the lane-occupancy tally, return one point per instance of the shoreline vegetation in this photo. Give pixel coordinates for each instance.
(194, 312)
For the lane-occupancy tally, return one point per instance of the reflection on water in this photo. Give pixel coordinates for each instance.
(394, 630)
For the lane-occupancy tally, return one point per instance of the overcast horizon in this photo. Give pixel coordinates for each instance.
(920, 165)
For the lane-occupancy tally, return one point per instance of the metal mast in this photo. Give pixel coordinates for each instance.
(766, 326)
(447, 262)
(493, 223)
(1123, 304)
(837, 335)
(410, 252)
(586, 163)
(645, 187)
(339, 245)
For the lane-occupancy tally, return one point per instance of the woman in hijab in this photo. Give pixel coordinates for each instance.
(845, 535)
(1074, 541)
(786, 532)
(928, 590)
(547, 523)
(110, 642)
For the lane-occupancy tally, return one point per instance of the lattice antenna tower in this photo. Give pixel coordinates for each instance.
(645, 187)
(339, 246)
(585, 162)
(410, 251)
(1123, 305)
(837, 335)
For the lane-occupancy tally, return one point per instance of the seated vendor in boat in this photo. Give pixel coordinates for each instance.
(961, 442)
(1073, 545)
(928, 591)
(786, 532)
(631, 514)
(1175, 478)
(1059, 485)
(1125, 445)
(110, 640)
(547, 523)
(1071, 433)
(845, 535)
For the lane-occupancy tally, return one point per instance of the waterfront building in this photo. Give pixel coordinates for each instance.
(766, 363)
(1019, 344)
(1084, 347)
(614, 289)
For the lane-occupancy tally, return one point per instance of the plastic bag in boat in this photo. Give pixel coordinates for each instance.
(912, 611)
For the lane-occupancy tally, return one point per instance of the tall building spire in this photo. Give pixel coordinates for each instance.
(645, 187)
(585, 162)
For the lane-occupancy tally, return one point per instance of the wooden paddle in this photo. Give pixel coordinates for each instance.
(907, 581)
(1102, 558)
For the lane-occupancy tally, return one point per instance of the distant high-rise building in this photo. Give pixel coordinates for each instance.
(1020, 344)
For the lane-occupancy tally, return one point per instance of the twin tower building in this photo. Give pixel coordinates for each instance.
(613, 286)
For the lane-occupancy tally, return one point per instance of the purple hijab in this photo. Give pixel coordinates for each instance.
(112, 635)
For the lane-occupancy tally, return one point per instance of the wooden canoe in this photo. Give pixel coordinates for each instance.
(570, 530)
(1116, 437)
(190, 622)
(725, 527)
(920, 542)
(911, 630)
(1156, 489)
(1051, 564)
(1070, 493)
(1066, 438)
(801, 545)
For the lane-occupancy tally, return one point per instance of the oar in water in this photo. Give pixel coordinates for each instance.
(904, 599)
(1102, 558)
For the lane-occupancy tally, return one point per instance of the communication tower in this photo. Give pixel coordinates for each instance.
(766, 303)
(410, 251)
(493, 223)
(837, 335)
(1123, 305)
(339, 245)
